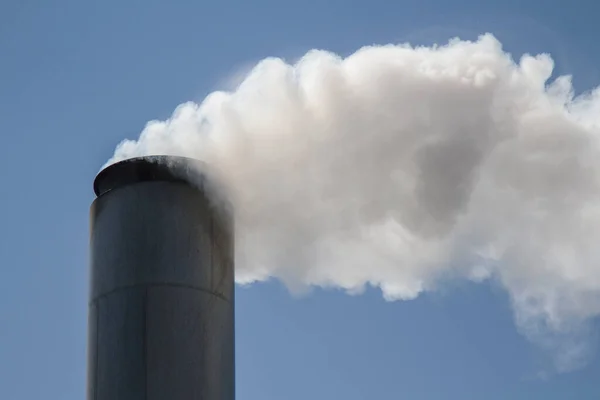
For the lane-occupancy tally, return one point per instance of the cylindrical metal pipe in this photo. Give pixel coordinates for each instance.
(161, 312)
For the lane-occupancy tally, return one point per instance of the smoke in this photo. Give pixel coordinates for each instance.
(402, 168)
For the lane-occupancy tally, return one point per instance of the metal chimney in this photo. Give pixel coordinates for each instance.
(161, 311)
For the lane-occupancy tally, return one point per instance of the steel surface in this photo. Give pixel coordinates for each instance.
(161, 313)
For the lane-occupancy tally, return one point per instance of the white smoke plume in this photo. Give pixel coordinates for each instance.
(402, 167)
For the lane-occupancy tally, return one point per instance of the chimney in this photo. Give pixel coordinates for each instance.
(161, 311)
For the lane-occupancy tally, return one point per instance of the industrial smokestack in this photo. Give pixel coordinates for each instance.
(161, 312)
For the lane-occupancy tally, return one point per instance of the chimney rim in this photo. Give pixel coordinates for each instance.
(145, 169)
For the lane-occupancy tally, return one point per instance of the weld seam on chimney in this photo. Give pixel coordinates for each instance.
(151, 285)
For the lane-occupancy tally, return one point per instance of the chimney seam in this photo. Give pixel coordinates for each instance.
(151, 285)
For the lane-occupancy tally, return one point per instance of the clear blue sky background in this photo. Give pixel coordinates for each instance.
(77, 77)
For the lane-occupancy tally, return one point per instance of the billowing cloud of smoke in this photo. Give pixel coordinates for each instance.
(401, 168)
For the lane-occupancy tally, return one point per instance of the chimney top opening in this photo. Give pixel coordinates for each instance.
(143, 169)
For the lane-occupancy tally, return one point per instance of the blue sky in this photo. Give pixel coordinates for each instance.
(77, 78)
